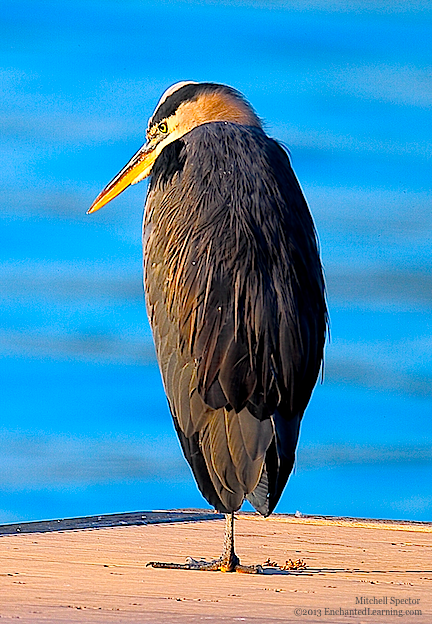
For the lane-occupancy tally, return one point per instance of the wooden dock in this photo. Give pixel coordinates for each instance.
(94, 570)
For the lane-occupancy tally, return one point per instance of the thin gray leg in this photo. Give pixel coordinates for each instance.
(229, 562)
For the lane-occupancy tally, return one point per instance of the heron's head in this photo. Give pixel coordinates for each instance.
(182, 107)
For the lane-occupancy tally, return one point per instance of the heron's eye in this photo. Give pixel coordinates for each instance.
(163, 127)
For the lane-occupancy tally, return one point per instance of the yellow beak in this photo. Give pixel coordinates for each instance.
(138, 168)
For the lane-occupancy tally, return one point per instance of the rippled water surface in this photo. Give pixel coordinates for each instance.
(84, 423)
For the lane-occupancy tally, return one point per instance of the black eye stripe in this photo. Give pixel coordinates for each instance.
(189, 93)
(171, 104)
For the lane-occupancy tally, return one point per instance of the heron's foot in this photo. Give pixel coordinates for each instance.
(224, 564)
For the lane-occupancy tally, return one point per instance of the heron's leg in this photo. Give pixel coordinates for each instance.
(228, 562)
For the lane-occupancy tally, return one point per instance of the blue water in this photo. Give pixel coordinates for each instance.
(84, 423)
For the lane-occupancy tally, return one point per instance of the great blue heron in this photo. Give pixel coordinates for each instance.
(234, 292)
